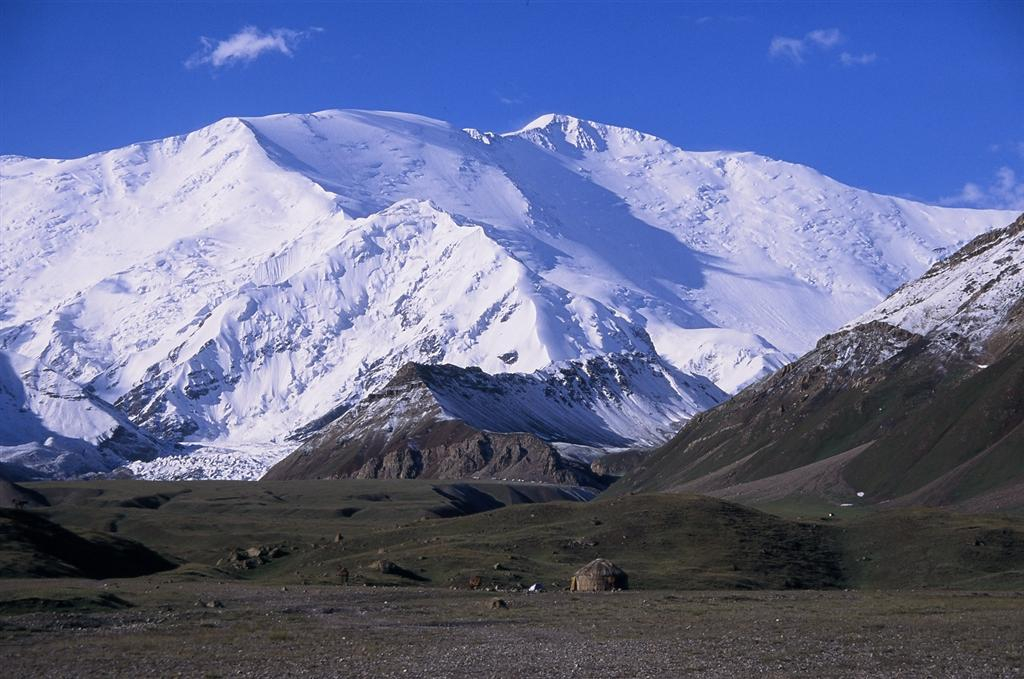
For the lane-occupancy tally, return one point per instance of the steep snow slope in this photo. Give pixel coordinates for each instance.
(51, 427)
(234, 283)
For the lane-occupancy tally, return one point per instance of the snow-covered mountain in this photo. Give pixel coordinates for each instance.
(50, 427)
(243, 280)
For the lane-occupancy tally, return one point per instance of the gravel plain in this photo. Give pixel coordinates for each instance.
(230, 629)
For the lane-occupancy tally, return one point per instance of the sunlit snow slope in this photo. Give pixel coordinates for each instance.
(240, 281)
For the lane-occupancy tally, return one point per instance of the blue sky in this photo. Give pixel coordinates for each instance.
(922, 100)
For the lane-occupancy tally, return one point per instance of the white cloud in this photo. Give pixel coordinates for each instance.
(864, 59)
(825, 37)
(1004, 192)
(822, 39)
(246, 45)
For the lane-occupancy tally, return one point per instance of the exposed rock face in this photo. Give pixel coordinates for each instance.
(403, 432)
(463, 452)
(920, 402)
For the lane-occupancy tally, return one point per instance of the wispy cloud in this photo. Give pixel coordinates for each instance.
(1010, 147)
(797, 50)
(790, 48)
(849, 59)
(1003, 192)
(722, 18)
(508, 100)
(247, 45)
(510, 95)
(825, 37)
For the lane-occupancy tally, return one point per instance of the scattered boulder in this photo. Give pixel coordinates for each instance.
(497, 603)
(385, 567)
(475, 582)
(253, 557)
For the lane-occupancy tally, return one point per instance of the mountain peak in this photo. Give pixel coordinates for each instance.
(557, 131)
(570, 135)
(543, 121)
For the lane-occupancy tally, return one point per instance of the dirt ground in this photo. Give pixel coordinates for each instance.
(233, 629)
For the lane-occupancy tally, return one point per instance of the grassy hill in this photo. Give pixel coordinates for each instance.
(441, 535)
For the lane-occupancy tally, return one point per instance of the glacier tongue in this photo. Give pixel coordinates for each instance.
(198, 462)
(234, 283)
